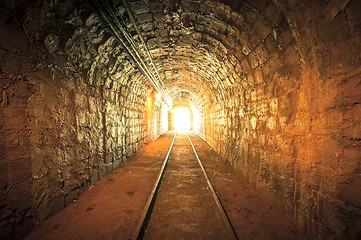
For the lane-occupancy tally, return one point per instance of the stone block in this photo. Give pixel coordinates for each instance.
(117, 163)
(261, 28)
(284, 37)
(352, 152)
(262, 54)
(58, 204)
(189, 5)
(326, 153)
(254, 40)
(347, 191)
(272, 14)
(71, 196)
(19, 196)
(102, 170)
(335, 30)
(327, 122)
(94, 177)
(19, 167)
(109, 167)
(333, 8)
(291, 56)
(349, 91)
(271, 45)
(353, 13)
(352, 126)
(108, 158)
(140, 8)
(84, 186)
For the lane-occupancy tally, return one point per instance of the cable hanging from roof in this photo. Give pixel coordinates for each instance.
(132, 41)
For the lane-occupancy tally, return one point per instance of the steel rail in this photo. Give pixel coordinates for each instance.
(231, 233)
(144, 218)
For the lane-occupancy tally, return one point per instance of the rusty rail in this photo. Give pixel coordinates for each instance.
(147, 211)
(231, 233)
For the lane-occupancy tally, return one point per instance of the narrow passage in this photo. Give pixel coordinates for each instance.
(112, 207)
(184, 208)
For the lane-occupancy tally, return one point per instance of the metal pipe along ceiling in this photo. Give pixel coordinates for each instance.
(133, 44)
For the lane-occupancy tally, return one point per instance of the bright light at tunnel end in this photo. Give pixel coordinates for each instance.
(182, 119)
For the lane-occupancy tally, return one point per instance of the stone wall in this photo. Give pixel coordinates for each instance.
(15, 157)
(277, 84)
(73, 109)
(78, 138)
(295, 130)
(156, 115)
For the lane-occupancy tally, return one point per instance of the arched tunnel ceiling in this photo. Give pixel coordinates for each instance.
(202, 46)
(184, 96)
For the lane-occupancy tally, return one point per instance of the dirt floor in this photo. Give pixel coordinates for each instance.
(111, 208)
(184, 208)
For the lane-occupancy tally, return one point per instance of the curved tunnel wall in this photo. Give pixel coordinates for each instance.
(277, 84)
(73, 108)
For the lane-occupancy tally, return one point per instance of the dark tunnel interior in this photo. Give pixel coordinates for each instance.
(273, 86)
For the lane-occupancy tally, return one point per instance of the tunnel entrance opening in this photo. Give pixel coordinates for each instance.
(181, 119)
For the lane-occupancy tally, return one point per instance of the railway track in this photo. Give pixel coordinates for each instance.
(183, 203)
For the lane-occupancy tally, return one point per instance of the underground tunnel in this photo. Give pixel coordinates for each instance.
(273, 86)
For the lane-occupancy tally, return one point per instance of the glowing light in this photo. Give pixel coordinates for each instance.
(158, 96)
(182, 119)
(149, 101)
(196, 119)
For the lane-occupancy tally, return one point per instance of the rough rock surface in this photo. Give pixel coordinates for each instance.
(73, 109)
(277, 85)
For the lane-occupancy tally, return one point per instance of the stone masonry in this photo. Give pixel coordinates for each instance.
(73, 109)
(277, 84)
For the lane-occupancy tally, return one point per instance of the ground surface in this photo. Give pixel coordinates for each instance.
(184, 208)
(110, 209)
